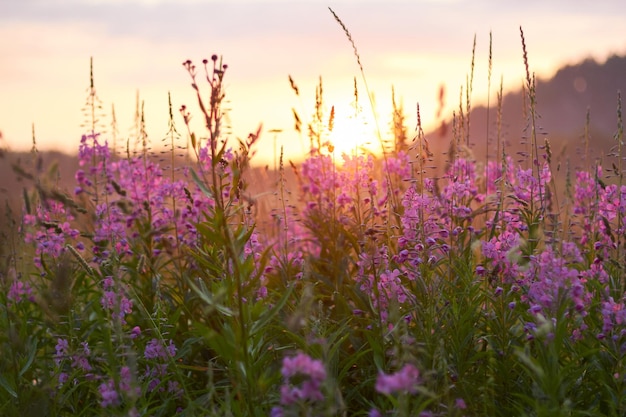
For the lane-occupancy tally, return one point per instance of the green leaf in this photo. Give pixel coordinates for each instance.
(532, 365)
(32, 350)
(5, 384)
(200, 183)
(265, 318)
(208, 298)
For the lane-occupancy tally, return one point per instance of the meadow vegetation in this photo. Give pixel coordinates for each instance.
(372, 288)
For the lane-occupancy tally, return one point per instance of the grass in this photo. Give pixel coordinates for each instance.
(372, 289)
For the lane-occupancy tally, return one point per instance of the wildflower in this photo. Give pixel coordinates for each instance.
(125, 378)
(153, 384)
(276, 412)
(135, 332)
(403, 381)
(62, 348)
(63, 378)
(374, 413)
(304, 365)
(81, 361)
(460, 404)
(117, 303)
(175, 388)
(109, 395)
(20, 291)
(154, 350)
(310, 372)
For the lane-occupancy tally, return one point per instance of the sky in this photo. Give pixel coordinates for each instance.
(414, 46)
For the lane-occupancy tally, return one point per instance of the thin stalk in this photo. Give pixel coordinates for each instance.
(619, 136)
(283, 205)
(114, 130)
(91, 107)
(394, 202)
(587, 136)
(213, 117)
(488, 102)
(532, 98)
(468, 93)
(172, 133)
(499, 143)
(501, 162)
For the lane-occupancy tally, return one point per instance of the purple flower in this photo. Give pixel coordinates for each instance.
(155, 350)
(20, 290)
(304, 365)
(460, 404)
(109, 395)
(153, 384)
(308, 373)
(125, 379)
(171, 349)
(277, 412)
(135, 332)
(115, 301)
(174, 388)
(80, 361)
(62, 350)
(403, 381)
(63, 377)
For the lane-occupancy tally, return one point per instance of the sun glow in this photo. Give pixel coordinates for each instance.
(354, 133)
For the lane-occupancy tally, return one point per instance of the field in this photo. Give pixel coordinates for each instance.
(362, 285)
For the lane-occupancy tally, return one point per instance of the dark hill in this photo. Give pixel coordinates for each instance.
(562, 105)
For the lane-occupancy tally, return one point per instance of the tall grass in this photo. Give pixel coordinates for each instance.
(375, 289)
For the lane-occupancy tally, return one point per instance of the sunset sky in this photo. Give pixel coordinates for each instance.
(139, 45)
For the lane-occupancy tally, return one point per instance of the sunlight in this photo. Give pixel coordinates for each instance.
(352, 133)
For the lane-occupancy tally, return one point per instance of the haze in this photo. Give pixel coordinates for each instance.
(138, 46)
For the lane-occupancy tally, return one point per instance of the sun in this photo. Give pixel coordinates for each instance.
(353, 132)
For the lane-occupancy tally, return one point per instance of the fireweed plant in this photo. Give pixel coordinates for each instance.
(373, 289)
